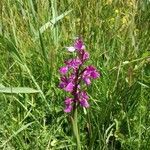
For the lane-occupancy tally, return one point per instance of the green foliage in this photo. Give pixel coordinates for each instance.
(33, 37)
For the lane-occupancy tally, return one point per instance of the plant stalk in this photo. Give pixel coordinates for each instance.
(75, 129)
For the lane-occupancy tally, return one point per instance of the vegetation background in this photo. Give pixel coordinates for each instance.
(33, 37)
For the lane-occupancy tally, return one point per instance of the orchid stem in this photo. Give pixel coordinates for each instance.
(75, 129)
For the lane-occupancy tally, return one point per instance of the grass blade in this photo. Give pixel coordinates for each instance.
(17, 132)
(53, 21)
(17, 90)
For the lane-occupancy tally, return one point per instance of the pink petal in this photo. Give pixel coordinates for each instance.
(63, 70)
(85, 55)
(84, 103)
(68, 101)
(95, 74)
(87, 81)
(69, 87)
(83, 47)
(68, 109)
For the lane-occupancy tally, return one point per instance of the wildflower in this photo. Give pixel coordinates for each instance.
(78, 45)
(66, 84)
(73, 63)
(83, 98)
(84, 55)
(68, 102)
(63, 70)
(89, 72)
(69, 87)
(72, 73)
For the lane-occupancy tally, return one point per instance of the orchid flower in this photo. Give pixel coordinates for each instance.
(73, 72)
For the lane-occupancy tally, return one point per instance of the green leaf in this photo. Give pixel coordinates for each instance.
(17, 90)
(52, 22)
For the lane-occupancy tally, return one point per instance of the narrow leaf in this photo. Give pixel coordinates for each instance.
(53, 21)
(17, 90)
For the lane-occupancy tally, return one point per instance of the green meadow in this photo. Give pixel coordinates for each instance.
(33, 37)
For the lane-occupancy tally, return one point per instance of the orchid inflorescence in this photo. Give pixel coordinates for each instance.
(74, 74)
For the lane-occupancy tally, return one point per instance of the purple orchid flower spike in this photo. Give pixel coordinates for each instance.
(73, 73)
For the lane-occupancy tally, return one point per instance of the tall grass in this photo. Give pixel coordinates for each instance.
(116, 34)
